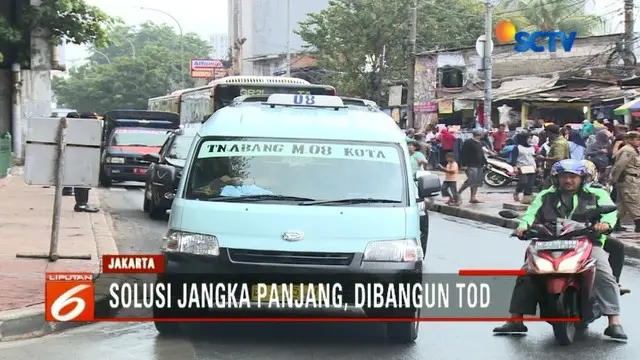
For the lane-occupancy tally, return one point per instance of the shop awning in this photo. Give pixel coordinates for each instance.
(511, 89)
(630, 108)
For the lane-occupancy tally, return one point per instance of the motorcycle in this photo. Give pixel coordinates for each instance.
(563, 272)
(499, 173)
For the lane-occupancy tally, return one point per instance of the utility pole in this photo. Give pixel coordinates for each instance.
(628, 24)
(411, 88)
(288, 38)
(487, 64)
(628, 46)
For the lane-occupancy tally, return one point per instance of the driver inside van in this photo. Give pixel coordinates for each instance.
(226, 184)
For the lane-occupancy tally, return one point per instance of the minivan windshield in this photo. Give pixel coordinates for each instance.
(306, 172)
(139, 137)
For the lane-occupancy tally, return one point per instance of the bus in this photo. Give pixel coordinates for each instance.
(196, 105)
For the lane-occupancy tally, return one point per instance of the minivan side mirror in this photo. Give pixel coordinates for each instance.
(428, 185)
(152, 158)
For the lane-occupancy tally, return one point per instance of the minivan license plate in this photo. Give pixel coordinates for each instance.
(555, 245)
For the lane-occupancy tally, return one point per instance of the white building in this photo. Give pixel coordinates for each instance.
(264, 26)
(219, 46)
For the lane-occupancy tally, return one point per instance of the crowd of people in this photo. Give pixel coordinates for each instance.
(611, 149)
(581, 169)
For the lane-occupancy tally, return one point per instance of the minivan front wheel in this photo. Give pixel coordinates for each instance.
(404, 332)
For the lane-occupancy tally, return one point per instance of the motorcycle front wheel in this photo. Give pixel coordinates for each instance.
(495, 180)
(567, 305)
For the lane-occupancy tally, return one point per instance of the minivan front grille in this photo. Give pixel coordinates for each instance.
(290, 257)
(135, 160)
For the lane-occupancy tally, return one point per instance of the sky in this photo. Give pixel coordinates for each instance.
(203, 17)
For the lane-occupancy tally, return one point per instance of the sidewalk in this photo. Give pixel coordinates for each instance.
(25, 225)
(494, 200)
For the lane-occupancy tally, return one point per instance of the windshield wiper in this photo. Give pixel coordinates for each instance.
(352, 201)
(257, 198)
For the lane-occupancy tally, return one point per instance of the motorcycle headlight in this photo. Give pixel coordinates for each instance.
(115, 160)
(570, 264)
(543, 265)
(199, 244)
(394, 251)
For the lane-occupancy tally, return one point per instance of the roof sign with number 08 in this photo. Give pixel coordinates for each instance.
(305, 100)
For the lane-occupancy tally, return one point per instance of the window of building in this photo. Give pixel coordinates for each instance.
(450, 77)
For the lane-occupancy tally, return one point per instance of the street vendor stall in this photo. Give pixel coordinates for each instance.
(631, 108)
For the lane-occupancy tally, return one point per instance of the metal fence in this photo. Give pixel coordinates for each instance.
(5, 154)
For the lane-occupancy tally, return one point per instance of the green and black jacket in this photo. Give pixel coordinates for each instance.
(547, 208)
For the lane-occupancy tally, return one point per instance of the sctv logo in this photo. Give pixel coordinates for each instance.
(506, 32)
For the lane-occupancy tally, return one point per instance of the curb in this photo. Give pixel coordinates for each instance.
(30, 323)
(631, 250)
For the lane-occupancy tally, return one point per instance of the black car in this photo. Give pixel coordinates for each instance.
(127, 135)
(164, 172)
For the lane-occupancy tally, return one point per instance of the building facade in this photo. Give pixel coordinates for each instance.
(263, 25)
(449, 83)
(219, 46)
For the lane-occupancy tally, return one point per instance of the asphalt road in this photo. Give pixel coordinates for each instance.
(454, 244)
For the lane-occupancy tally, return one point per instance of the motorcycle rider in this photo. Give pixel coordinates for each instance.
(569, 197)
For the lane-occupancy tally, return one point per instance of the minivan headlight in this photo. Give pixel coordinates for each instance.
(394, 251)
(186, 242)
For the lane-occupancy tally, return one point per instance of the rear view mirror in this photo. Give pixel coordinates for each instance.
(508, 214)
(428, 185)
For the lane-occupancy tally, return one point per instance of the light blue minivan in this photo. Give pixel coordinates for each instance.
(299, 183)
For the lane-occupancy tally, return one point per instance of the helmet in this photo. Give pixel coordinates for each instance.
(592, 171)
(576, 167)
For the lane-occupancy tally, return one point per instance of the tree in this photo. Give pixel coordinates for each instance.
(350, 37)
(550, 15)
(114, 78)
(64, 21)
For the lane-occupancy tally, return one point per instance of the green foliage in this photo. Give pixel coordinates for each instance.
(114, 78)
(70, 21)
(350, 36)
(551, 15)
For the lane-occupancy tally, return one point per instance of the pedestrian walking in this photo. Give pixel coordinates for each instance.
(447, 141)
(558, 150)
(524, 158)
(450, 183)
(625, 174)
(473, 159)
(418, 160)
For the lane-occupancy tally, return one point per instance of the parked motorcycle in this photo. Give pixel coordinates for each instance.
(499, 173)
(562, 270)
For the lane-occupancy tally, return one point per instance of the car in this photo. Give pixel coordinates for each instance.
(165, 169)
(298, 185)
(127, 135)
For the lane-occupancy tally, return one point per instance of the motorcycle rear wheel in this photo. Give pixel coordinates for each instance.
(495, 180)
